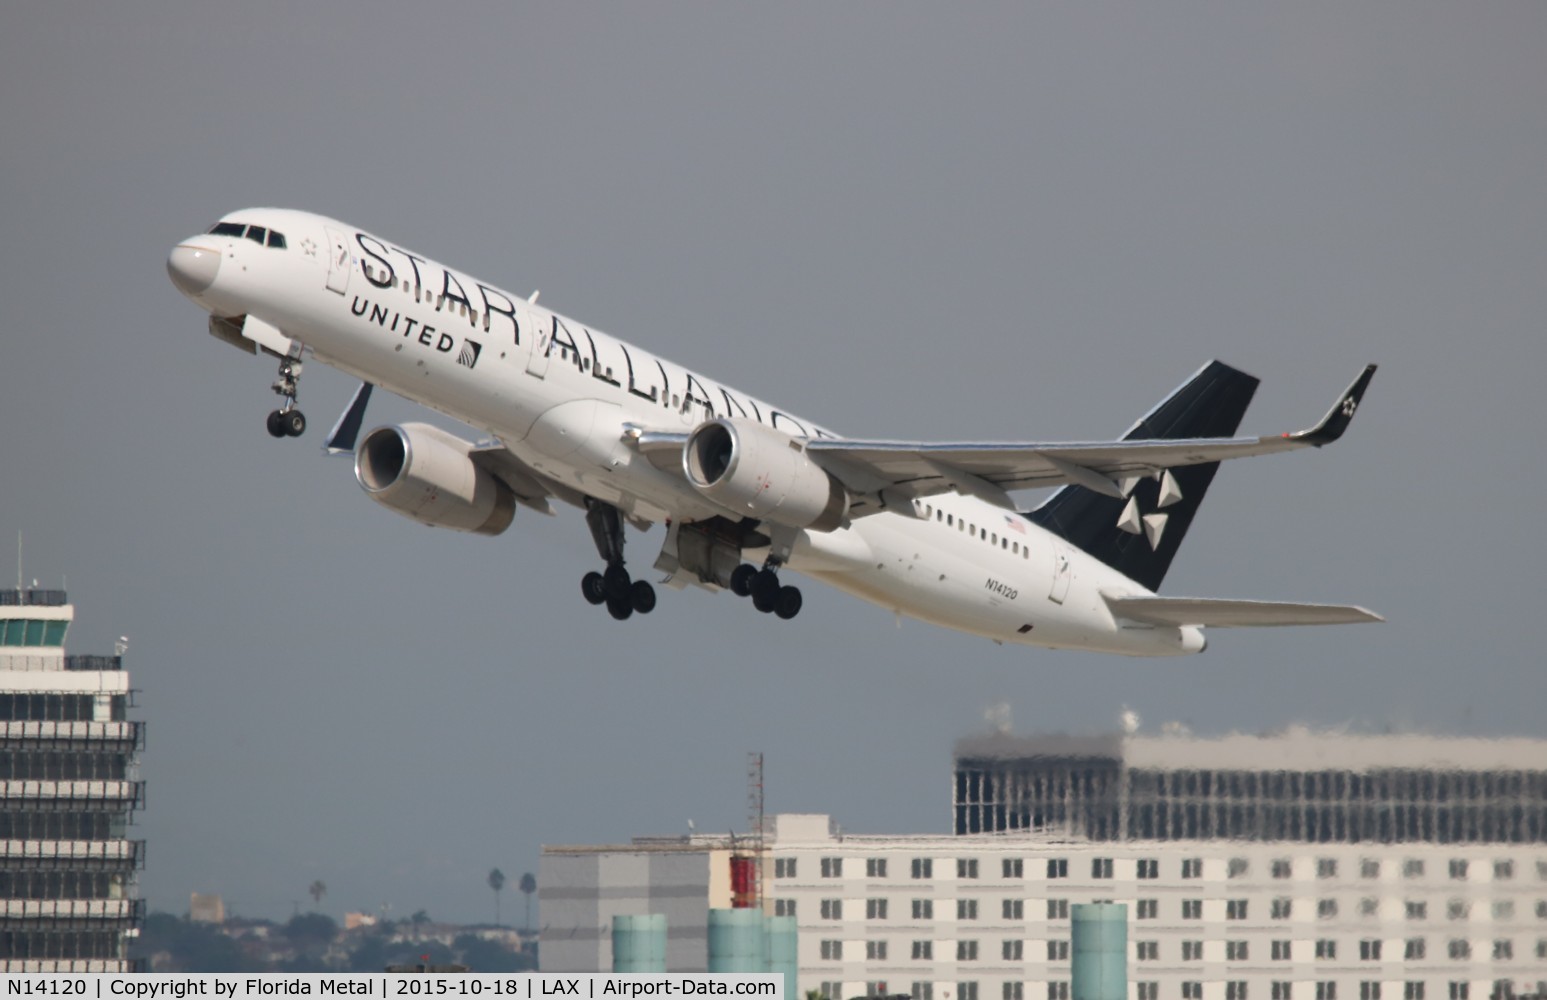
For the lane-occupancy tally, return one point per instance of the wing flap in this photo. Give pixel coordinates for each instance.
(1224, 613)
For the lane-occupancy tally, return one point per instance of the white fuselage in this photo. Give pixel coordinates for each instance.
(559, 395)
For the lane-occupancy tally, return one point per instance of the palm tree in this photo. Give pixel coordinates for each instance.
(528, 886)
(318, 889)
(496, 882)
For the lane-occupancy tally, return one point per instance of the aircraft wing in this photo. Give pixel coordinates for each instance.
(1217, 613)
(900, 471)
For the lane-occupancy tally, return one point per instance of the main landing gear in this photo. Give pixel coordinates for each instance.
(614, 588)
(762, 585)
(287, 421)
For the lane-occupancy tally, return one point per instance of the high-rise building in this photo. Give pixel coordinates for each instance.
(1302, 866)
(68, 790)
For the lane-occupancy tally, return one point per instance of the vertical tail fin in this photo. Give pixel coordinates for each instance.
(1136, 536)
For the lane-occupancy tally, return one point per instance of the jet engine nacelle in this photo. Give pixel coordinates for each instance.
(759, 472)
(424, 473)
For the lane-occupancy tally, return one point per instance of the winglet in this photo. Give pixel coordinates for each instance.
(341, 439)
(1337, 419)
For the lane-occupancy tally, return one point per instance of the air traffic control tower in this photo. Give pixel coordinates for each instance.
(68, 790)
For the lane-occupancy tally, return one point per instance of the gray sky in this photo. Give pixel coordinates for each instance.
(984, 222)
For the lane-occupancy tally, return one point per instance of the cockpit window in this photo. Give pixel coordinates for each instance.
(257, 234)
(228, 229)
(276, 239)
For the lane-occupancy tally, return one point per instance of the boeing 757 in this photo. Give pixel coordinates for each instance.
(746, 490)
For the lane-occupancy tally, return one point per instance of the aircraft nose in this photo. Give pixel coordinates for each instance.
(193, 268)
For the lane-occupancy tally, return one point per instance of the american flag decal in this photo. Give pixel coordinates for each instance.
(470, 351)
(1016, 523)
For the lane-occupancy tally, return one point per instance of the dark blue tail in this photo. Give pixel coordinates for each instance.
(1210, 405)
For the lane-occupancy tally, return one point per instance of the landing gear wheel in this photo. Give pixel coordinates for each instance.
(787, 604)
(765, 585)
(741, 579)
(276, 424)
(594, 587)
(642, 597)
(617, 581)
(620, 607)
(293, 422)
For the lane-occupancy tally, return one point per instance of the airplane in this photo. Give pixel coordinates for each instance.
(746, 490)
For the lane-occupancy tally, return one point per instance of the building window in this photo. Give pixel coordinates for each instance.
(967, 990)
(875, 868)
(1369, 868)
(1458, 909)
(1541, 909)
(922, 991)
(1504, 909)
(1192, 909)
(1282, 907)
(1012, 949)
(784, 907)
(1192, 951)
(1012, 868)
(1192, 990)
(1412, 990)
(1058, 951)
(1412, 868)
(1369, 950)
(1503, 871)
(1327, 989)
(923, 950)
(923, 909)
(1014, 990)
(966, 909)
(1369, 906)
(1327, 949)
(832, 909)
(1058, 909)
(1460, 948)
(1148, 909)
(1417, 909)
(1058, 989)
(1235, 989)
(1326, 867)
(832, 990)
(1013, 909)
(1503, 948)
(1235, 951)
(1149, 991)
(966, 951)
(1100, 867)
(923, 868)
(784, 867)
(1369, 990)
(832, 868)
(1414, 949)
(1238, 868)
(1282, 990)
(1235, 909)
(1281, 950)
(1192, 868)
(1149, 868)
(1326, 909)
(1146, 951)
(832, 951)
(1057, 867)
(1458, 868)
(1282, 868)
(875, 909)
(875, 950)
(1541, 948)
(1460, 991)
(966, 867)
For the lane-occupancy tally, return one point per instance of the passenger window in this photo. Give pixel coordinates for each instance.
(276, 240)
(674, 402)
(1004, 543)
(405, 284)
(257, 234)
(993, 539)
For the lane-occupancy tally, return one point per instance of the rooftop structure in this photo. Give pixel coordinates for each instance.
(68, 791)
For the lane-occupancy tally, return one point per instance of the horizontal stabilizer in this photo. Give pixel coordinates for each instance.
(1218, 613)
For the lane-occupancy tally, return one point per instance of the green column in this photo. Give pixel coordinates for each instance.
(1100, 951)
(737, 941)
(782, 955)
(639, 943)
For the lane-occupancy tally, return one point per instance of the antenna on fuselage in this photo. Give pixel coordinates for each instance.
(533, 297)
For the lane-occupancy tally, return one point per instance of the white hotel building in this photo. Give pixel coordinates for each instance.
(1299, 867)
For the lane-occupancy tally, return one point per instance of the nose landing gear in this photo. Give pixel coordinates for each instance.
(615, 588)
(287, 421)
